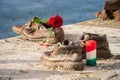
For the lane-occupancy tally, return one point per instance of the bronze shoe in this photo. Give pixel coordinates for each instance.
(103, 50)
(110, 10)
(38, 31)
(66, 56)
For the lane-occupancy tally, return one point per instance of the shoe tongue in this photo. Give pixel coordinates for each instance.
(86, 37)
(75, 44)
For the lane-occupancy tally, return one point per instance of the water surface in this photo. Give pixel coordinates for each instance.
(14, 12)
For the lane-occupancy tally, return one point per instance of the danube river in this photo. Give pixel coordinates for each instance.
(13, 12)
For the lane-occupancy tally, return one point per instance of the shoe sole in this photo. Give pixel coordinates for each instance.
(66, 65)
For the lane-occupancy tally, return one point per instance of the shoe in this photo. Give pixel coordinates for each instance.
(38, 31)
(103, 50)
(66, 56)
(116, 15)
(102, 15)
(110, 10)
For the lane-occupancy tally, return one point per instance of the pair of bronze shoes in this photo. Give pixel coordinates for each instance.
(69, 54)
(39, 31)
(66, 55)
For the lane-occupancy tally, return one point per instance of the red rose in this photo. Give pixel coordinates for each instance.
(55, 21)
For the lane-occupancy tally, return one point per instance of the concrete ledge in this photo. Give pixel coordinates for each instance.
(101, 23)
(19, 58)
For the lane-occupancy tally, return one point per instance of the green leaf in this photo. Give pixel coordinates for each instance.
(45, 21)
(38, 20)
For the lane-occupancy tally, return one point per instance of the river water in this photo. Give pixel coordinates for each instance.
(14, 12)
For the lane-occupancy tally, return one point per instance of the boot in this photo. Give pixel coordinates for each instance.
(66, 56)
(103, 50)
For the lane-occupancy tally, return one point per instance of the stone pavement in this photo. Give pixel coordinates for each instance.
(20, 58)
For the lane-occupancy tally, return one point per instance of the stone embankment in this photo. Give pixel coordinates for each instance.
(20, 58)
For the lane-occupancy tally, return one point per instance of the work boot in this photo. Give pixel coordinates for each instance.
(66, 56)
(103, 50)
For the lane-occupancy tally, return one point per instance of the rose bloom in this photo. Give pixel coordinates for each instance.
(55, 21)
